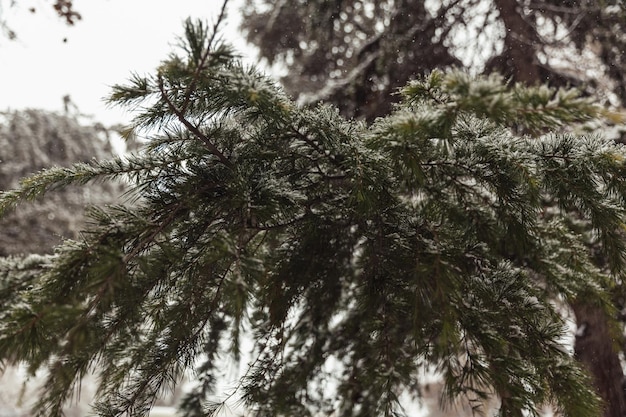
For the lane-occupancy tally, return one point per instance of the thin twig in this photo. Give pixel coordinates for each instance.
(193, 129)
(315, 146)
(203, 59)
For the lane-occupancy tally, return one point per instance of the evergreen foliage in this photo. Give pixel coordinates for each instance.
(355, 53)
(354, 256)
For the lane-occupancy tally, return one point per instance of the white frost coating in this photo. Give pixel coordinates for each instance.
(580, 331)
(163, 412)
(613, 9)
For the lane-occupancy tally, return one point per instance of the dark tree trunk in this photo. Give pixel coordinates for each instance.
(518, 59)
(598, 351)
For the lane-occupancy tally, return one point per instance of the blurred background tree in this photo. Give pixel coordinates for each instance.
(30, 141)
(357, 53)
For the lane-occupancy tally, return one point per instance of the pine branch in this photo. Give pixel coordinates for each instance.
(439, 236)
(133, 166)
(200, 65)
(193, 129)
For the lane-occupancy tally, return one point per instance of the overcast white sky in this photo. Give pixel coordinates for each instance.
(113, 39)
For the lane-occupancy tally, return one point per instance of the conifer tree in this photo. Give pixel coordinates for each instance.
(354, 53)
(354, 256)
(31, 140)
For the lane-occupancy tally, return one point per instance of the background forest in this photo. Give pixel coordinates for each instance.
(356, 55)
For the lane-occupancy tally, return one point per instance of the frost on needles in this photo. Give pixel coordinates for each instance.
(450, 235)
